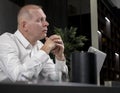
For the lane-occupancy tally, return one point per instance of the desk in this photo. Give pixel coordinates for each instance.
(56, 88)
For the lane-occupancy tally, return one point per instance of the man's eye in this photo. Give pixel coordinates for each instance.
(39, 20)
(42, 19)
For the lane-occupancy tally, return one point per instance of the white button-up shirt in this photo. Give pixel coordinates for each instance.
(20, 61)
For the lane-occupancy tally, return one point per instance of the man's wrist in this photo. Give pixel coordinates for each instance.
(46, 49)
(61, 58)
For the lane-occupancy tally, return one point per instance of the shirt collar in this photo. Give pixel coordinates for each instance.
(22, 39)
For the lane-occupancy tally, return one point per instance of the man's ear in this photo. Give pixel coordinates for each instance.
(24, 25)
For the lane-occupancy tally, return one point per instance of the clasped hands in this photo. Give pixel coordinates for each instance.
(55, 45)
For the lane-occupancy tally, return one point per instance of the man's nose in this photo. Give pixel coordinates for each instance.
(46, 23)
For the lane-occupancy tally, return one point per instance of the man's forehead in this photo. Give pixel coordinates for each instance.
(37, 12)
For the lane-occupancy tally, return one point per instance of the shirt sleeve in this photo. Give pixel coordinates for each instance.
(39, 58)
(61, 66)
(53, 72)
(14, 68)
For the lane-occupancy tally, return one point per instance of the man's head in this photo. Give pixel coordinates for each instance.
(32, 23)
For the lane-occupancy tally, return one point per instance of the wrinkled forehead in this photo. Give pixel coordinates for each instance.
(37, 13)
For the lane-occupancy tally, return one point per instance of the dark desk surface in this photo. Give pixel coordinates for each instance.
(55, 87)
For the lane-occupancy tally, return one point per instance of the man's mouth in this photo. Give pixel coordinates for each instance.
(45, 31)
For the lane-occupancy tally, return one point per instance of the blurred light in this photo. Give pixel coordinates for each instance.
(99, 32)
(116, 54)
(107, 19)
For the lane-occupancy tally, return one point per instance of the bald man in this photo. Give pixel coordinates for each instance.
(23, 57)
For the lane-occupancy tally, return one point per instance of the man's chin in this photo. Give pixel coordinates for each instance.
(43, 37)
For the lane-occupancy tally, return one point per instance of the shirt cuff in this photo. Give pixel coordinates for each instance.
(60, 65)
